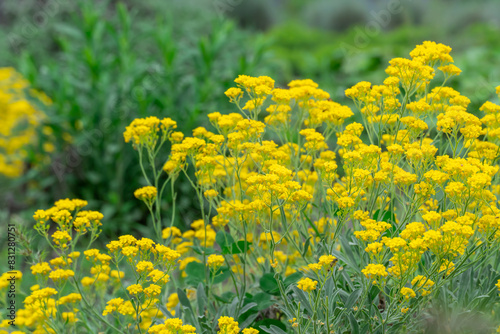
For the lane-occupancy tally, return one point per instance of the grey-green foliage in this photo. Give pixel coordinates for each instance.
(463, 303)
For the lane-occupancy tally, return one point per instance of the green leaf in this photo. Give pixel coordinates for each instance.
(262, 299)
(237, 247)
(269, 284)
(204, 323)
(225, 297)
(276, 330)
(68, 30)
(353, 298)
(201, 298)
(306, 246)
(124, 15)
(292, 279)
(248, 321)
(348, 247)
(200, 250)
(247, 307)
(354, 324)
(464, 285)
(386, 216)
(195, 273)
(302, 297)
(373, 293)
(347, 261)
(221, 275)
(164, 310)
(231, 308)
(269, 322)
(223, 239)
(313, 226)
(184, 301)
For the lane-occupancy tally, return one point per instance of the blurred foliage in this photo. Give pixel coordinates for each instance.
(445, 16)
(104, 64)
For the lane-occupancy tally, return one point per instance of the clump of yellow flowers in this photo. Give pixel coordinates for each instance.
(76, 287)
(20, 119)
(308, 222)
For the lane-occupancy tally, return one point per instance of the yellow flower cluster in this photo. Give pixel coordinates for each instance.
(20, 119)
(172, 326)
(373, 271)
(408, 293)
(307, 284)
(215, 261)
(61, 274)
(199, 233)
(147, 194)
(68, 216)
(423, 284)
(144, 131)
(152, 264)
(38, 306)
(324, 264)
(6, 277)
(227, 325)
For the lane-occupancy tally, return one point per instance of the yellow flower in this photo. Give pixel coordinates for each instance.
(374, 248)
(423, 283)
(211, 193)
(40, 268)
(69, 317)
(21, 119)
(250, 331)
(374, 270)
(173, 232)
(61, 238)
(112, 306)
(173, 301)
(408, 293)
(167, 253)
(130, 251)
(215, 261)
(61, 274)
(326, 260)
(307, 284)
(134, 289)
(345, 202)
(227, 325)
(234, 94)
(144, 131)
(147, 194)
(315, 266)
(450, 70)
(158, 276)
(144, 266)
(39, 295)
(69, 299)
(152, 290)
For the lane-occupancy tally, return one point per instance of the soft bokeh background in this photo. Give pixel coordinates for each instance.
(104, 63)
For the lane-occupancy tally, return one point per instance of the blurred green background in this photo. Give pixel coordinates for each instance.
(104, 63)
